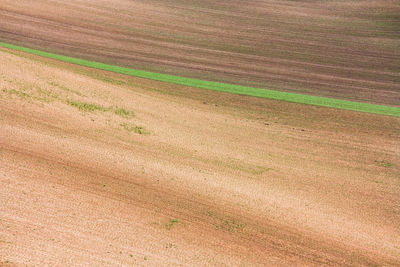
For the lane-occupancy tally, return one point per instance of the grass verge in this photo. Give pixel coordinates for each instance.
(222, 87)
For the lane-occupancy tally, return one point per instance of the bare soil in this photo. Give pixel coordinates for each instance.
(210, 179)
(341, 49)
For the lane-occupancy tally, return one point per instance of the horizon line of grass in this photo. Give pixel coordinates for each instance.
(222, 87)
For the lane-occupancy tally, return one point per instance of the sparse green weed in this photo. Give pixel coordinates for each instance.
(383, 163)
(124, 113)
(48, 95)
(17, 93)
(135, 129)
(169, 245)
(170, 224)
(230, 226)
(87, 107)
(260, 170)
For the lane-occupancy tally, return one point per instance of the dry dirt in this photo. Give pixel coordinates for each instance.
(340, 49)
(101, 169)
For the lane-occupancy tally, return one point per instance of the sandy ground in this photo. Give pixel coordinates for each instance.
(101, 169)
(341, 49)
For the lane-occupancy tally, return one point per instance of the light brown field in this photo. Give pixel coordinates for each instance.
(336, 48)
(210, 179)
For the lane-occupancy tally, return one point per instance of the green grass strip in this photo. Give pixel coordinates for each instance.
(222, 87)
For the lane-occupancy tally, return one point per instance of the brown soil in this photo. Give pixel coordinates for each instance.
(341, 49)
(209, 180)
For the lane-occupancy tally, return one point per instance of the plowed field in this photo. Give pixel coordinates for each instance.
(101, 169)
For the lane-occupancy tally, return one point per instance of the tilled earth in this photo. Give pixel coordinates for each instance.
(101, 169)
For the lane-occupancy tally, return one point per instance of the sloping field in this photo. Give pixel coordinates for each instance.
(98, 168)
(222, 87)
(341, 49)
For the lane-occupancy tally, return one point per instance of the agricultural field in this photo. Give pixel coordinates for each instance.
(341, 49)
(100, 168)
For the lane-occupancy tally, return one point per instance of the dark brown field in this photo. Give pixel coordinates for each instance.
(340, 49)
(100, 169)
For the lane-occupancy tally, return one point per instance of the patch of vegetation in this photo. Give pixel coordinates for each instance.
(124, 113)
(28, 92)
(260, 170)
(17, 93)
(87, 107)
(49, 95)
(91, 107)
(222, 87)
(135, 129)
(230, 226)
(383, 163)
(170, 224)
